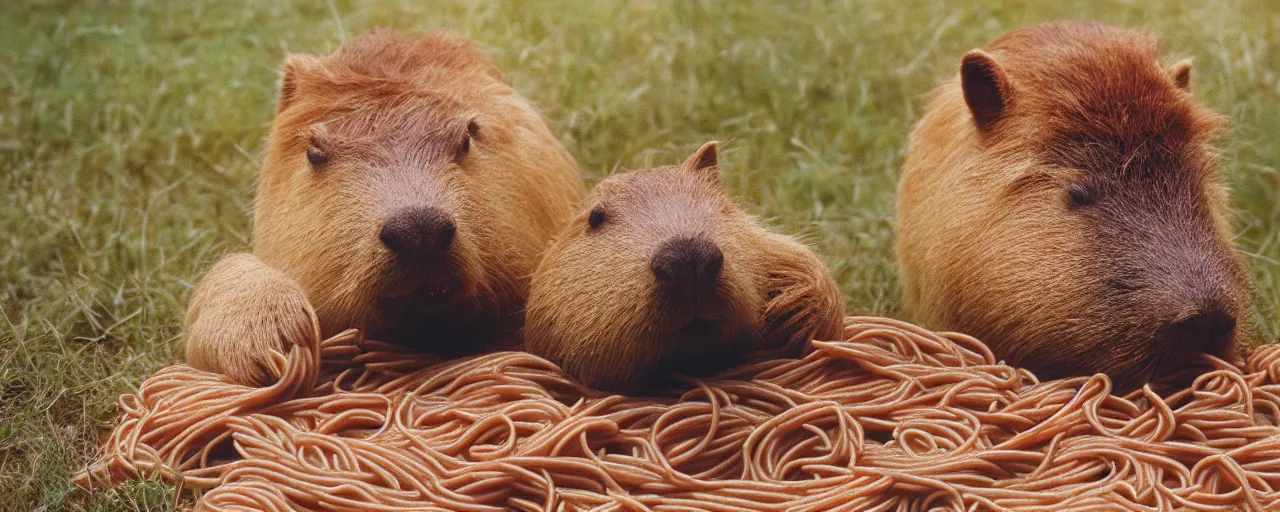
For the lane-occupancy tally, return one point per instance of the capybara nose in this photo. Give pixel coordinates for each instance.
(419, 232)
(1209, 329)
(690, 264)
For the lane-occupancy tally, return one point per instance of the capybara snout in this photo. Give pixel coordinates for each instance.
(422, 260)
(419, 233)
(1208, 329)
(1205, 283)
(688, 267)
(1198, 305)
(1062, 201)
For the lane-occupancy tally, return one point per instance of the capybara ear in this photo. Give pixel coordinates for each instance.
(294, 65)
(1181, 74)
(705, 160)
(986, 87)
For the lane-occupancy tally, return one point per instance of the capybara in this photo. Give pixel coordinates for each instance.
(406, 191)
(1061, 200)
(661, 273)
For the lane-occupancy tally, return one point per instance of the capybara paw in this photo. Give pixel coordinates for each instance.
(243, 316)
(804, 303)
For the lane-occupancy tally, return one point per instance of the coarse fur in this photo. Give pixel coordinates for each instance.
(597, 310)
(1061, 200)
(389, 124)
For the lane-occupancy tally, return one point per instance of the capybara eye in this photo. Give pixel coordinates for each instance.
(1081, 195)
(463, 149)
(597, 217)
(473, 130)
(317, 156)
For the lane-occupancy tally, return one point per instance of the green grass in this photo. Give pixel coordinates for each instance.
(130, 135)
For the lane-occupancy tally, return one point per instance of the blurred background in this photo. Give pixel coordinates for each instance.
(131, 132)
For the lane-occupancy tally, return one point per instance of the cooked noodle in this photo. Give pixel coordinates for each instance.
(892, 418)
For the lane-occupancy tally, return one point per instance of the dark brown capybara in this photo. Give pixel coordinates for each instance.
(1061, 200)
(661, 273)
(406, 191)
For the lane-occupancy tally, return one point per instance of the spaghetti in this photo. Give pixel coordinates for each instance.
(892, 418)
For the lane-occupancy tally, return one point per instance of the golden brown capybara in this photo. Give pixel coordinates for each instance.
(406, 191)
(661, 273)
(1061, 200)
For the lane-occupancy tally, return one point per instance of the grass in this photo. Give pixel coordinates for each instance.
(130, 135)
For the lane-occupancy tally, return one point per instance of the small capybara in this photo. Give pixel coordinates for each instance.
(406, 191)
(661, 273)
(1061, 200)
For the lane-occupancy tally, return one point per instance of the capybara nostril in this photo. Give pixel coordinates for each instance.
(688, 264)
(418, 232)
(1208, 329)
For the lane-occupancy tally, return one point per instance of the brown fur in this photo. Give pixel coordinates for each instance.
(1061, 200)
(596, 310)
(404, 122)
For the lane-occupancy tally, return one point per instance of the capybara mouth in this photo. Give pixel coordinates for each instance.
(1169, 362)
(696, 320)
(702, 327)
(1162, 371)
(685, 308)
(426, 293)
(437, 283)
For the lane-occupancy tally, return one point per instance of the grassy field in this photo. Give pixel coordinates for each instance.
(130, 135)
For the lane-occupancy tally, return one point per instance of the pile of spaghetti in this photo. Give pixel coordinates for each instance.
(892, 418)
